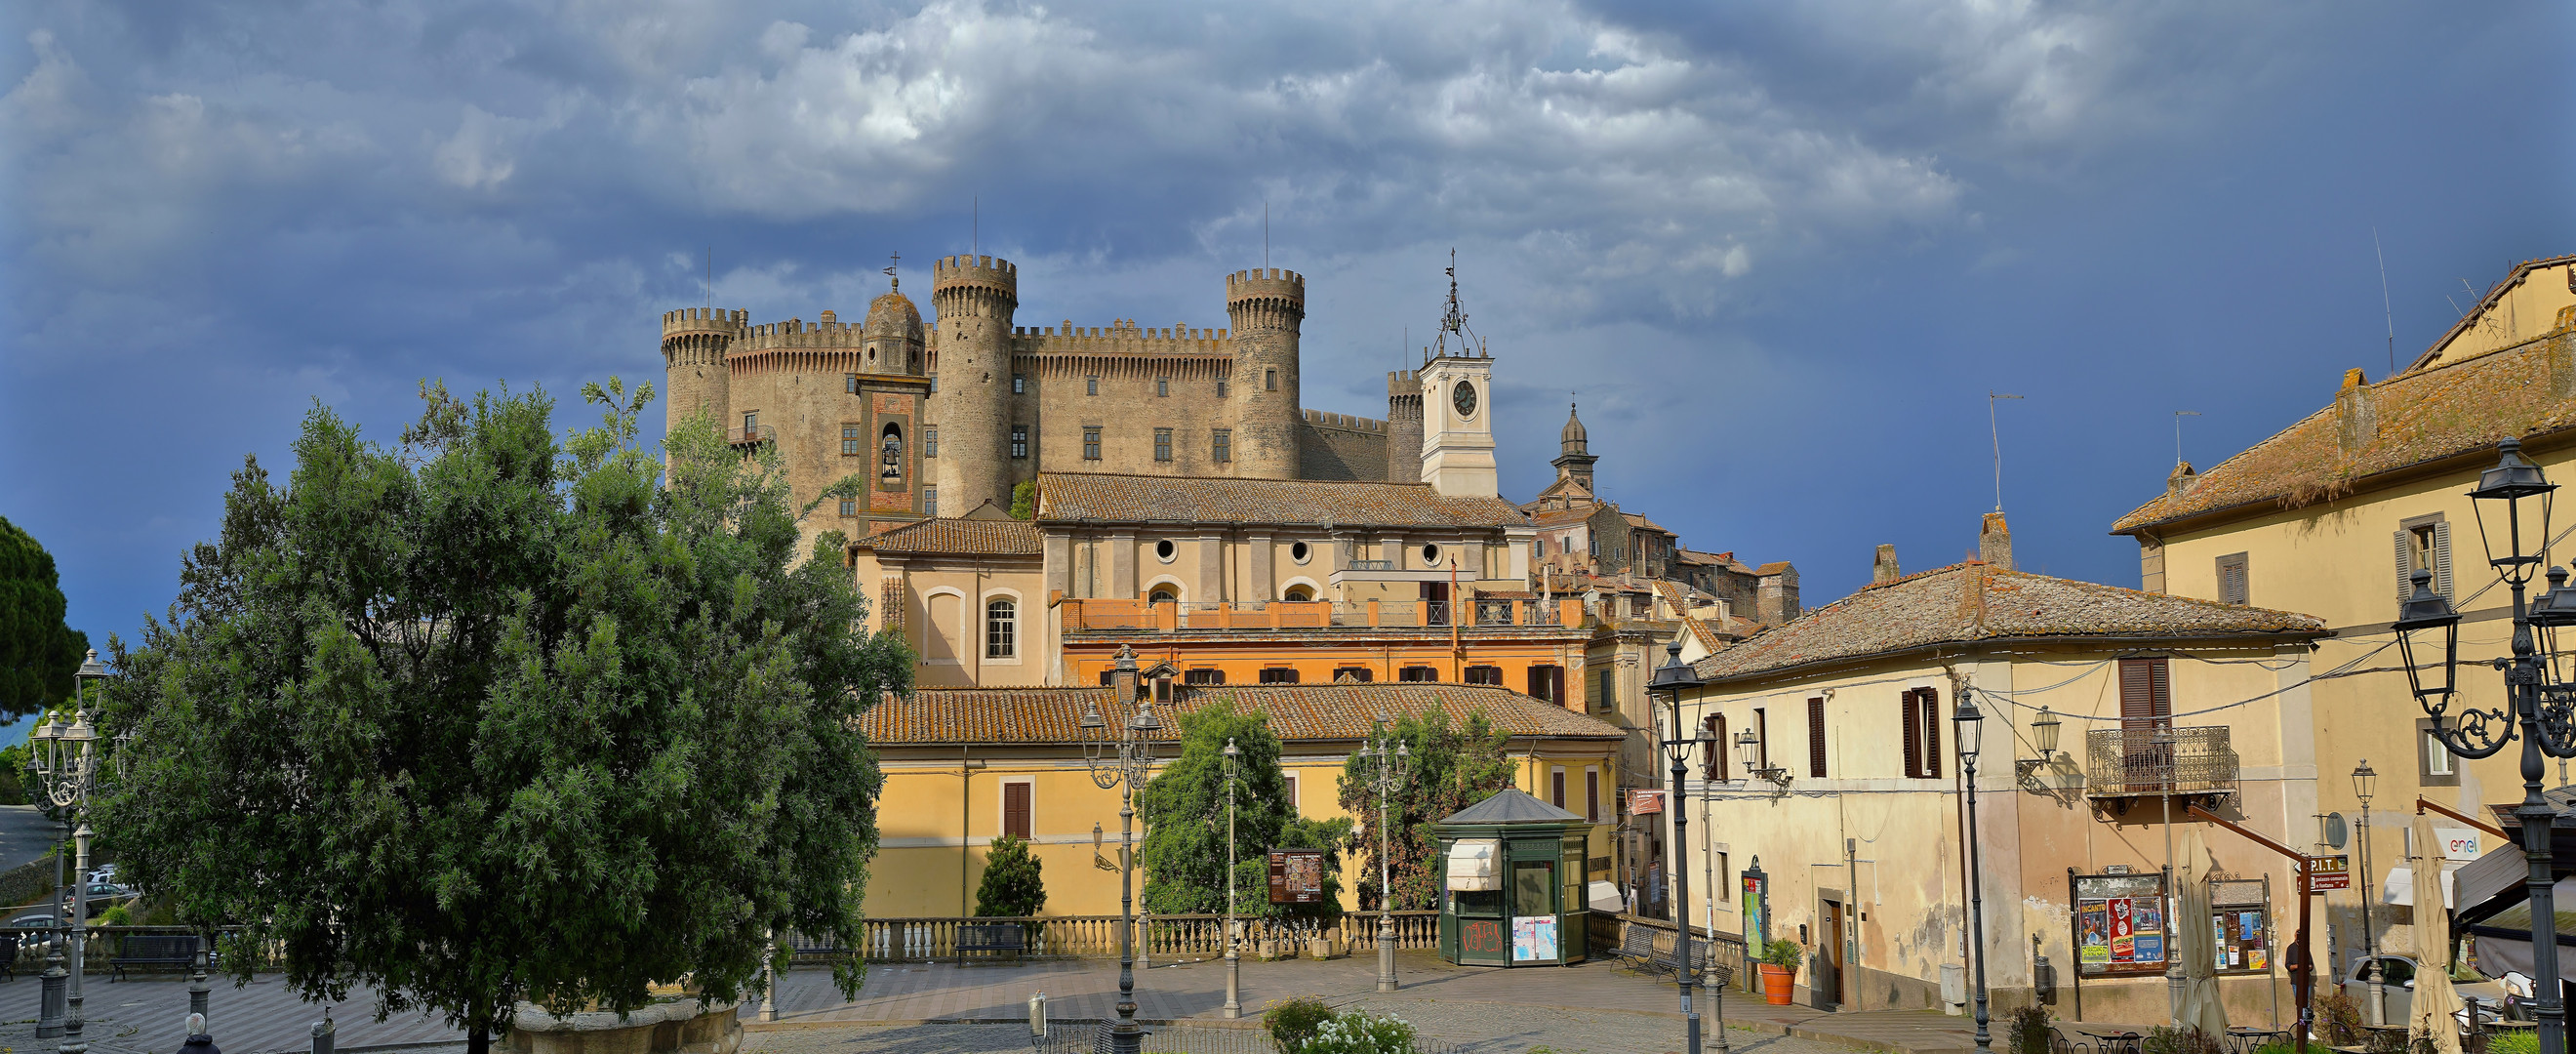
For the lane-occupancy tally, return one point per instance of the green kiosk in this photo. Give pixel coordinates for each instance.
(1513, 894)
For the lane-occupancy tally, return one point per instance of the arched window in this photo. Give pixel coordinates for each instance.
(890, 454)
(1300, 595)
(1163, 595)
(1001, 628)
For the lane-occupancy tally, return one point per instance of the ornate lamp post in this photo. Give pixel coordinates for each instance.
(1122, 763)
(2363, 781)
(1391, 757)
(1233, 935)
(1672, 679)
(1971, 723)
(64, 761)
(2538, 694)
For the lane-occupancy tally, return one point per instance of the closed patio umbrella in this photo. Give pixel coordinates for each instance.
(2197, 944)
(2435, 1000)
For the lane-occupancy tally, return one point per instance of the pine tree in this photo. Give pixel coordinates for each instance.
(37, 651)
(1014, 885)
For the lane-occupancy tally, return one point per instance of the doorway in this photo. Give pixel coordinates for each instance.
(1828, 973)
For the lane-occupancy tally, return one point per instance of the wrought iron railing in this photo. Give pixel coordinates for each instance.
(752, 436)
(2158, 760)
(1102, 615)
(1096, 936)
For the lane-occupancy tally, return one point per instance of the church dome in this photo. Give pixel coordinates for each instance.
(1573, 437)
(893, 315)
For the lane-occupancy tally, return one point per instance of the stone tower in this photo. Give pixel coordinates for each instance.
(975, 297)
(1267, 307)
(1403, 427)
(694, 342)
(1576, 462)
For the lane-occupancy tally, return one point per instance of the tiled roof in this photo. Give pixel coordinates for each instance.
(2425, 415)
(1560, 517)
(1298, 712)
(1977, 602)
(1638, 520)
(982, 537)
(1066, 496)
(2487, 304)
(1772, 568)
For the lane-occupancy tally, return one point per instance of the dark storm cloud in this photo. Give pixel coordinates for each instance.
(1759, 239)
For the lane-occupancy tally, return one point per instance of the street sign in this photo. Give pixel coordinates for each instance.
(1643, 802)
(1296, 876)
(2329, 872)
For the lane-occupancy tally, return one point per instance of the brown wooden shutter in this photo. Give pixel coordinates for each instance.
(1556, 787)
(1913, 735)
(1762, 738)
(1709, 750)
(1724, 747)
(1816, 737)
(1592, 795)
(1931, 732)
(2146, 694)
(1015, 809)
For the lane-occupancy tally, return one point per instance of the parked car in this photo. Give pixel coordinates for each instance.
(103, 873)
(34, 920)
(2397, 981)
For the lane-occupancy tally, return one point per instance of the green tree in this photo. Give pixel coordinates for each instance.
(1183, 808)
(1014, 885)
(1450, 767)
(490, 717)
(37, 651)
(1024, 500)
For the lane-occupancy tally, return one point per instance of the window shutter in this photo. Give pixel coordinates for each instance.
(2137, 692)
(1723, 746)
(1015, 809)
(1816, 737)
(1710, 750)
(2442, 558)
(1931, 732)
(1913, 735)
(2405, 566)
(2160, 680)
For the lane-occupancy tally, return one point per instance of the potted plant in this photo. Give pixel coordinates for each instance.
(1780, 969)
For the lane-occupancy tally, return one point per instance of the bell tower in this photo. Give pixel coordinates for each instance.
(1457, 407)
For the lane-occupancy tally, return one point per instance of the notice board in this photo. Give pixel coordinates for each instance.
(2120, 926)
(1296, 876)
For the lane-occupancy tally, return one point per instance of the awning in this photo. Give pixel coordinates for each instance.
(2504, 940)
(1475, 865)
(2400, 886)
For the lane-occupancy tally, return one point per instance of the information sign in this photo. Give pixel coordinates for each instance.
(1296, 876)
(2329, 872)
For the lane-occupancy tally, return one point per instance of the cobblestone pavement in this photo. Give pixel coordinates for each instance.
(1477, 1029)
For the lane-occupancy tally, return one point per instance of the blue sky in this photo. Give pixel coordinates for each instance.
(1783, 251)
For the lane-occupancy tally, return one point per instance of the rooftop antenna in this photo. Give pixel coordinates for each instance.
(1997, 435)
(2387, 313)
(895, 260)
(974, 223)
(711, 279)
(2178, 416)
(1265, 232)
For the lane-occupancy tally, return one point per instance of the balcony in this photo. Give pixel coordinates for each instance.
(2123, 765)
(1138, 616)
(752, 436)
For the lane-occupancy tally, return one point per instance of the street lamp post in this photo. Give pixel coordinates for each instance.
(1122, 763)
(2363, 780)
(1971, 723)
(64, 761)
(2538, 690)
(1233, 935)
(1670, 680)
(1388, 759)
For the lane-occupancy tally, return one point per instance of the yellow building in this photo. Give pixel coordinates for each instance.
(1840, 776)
(964, 765)
(2332, 515)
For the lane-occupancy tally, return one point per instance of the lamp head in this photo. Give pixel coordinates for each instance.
(1091, 717)
(2364, 780)
(81, 731)
(1744, 743)
(2557, 606)
(46, 730)
(2514, 476)
(2426, 622)
(1145, 721)
(91, 669)
(2044, 729)
(1675, 676)
(1230, 752)
(2513, 479)
(1971, 724)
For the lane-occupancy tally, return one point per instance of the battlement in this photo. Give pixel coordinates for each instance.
(1260, 282)
(1404, 382)
(794, 333)
(1121, 337)
(703, 320)
(957, 272)
(1353, 422)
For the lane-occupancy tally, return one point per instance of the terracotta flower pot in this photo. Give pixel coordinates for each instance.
(1776, 981)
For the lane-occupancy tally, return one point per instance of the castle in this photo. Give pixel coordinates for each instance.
(946, 418)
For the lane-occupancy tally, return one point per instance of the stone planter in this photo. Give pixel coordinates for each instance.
(1322, 948)
(680, 1027)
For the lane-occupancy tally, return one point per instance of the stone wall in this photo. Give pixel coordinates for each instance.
(1336, 447)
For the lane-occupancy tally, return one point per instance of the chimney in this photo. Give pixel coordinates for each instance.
(2356, 413)
(1994, 542)
(1884, 568)
(2179, 480)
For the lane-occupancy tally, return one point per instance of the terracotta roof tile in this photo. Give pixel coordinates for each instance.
(2422, 415)
(1300, 713)
(984, 537)
(1974, 601)
(1064, 496)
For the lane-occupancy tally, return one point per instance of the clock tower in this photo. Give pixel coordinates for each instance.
(1457, 407)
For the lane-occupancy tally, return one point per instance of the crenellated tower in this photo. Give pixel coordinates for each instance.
(1267, 306)
(974, 298)
(1403, 426)
(694, 342)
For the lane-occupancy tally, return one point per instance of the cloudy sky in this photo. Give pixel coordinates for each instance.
(1782, 251)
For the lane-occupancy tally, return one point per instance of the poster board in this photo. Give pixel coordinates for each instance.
(1534, 938)
(2240, 921)
(2120, 928)
(1296, 876)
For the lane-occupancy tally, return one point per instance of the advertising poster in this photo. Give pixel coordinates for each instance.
(2124, 930)
(2119, 923)
(1757, 921)
(1533, 938)
(2094, 930)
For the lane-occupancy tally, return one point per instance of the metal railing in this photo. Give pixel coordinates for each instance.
(1723, 949)
(1103, 615)
(1096, 936)
(753, 435)
(2158, 760)
(1371, 565)
(1092, 1037)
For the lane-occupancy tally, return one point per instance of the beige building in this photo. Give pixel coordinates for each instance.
(2332, 514)
(1840, 776)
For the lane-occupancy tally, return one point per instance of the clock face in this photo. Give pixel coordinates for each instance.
(1464, 397)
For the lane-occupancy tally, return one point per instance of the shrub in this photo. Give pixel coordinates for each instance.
(2515, 1041)
(2166, 1039)
(2339, 1020)
(2028, 1028)
(1292, 1022)
(1014, 882)
(116, 916)
(2276, 1047)
(1360, 1032)
(1784, 953)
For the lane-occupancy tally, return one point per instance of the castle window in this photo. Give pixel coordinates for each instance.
(1091, 386)
(750, 421)
(1270, 380)
(930, 501)
(1091, 444)
(849, 506)
(1163, 387)
(890, 470)
(1300, 551)
(850, 383)
(1220, 389)
(1224, 451)
(934, 384)
(1162, 444)
(1019, 441)
(1019, 383)
(1001, 620)
(852, 443)
(929, 441)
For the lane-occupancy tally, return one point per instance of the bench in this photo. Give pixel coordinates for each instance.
(994, 937)
(153, 949)
(1669, 959)
(1637, 948)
